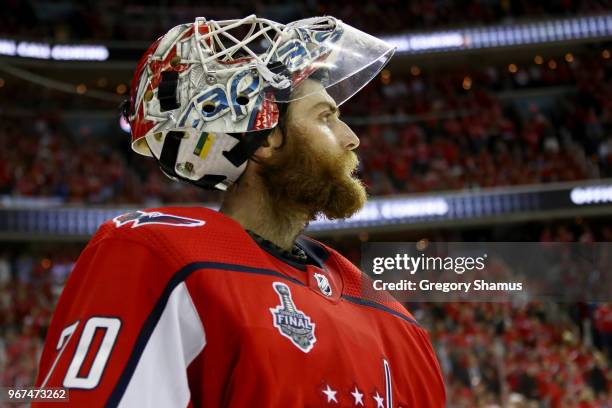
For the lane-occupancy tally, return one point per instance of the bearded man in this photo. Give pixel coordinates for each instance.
(190, 307)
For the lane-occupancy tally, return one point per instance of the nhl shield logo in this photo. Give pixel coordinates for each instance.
(323, 284)
(291, 322)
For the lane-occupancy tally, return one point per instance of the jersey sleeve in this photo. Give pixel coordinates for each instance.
(124, 331)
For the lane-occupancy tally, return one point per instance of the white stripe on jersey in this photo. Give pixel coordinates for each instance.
(160, 378)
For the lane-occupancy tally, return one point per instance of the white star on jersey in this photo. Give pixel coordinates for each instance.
(379, 400)
(330, 393)
(358, 397)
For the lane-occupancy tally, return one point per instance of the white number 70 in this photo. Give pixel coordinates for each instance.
(111, 326)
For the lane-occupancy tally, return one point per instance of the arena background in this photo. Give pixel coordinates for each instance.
(492, 123)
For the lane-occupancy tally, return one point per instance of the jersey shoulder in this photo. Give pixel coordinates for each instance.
(183, 234)
(167, 221)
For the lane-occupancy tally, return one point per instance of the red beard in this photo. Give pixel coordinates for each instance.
(301, 178)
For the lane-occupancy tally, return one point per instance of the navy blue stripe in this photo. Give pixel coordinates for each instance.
(177, 278)
(370, 303)
(388, 386)
(153, 319)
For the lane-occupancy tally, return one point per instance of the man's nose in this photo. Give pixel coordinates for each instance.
(348, 138)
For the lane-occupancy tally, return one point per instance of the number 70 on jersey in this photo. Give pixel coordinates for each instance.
(74, 378)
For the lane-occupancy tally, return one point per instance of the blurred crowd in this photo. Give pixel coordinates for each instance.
(30, 284)
(489, 127)
(541, 355)
(537, 354)
(428, 130)
(140, 20)
(44, 162)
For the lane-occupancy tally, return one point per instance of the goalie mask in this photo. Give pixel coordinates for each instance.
(202, 101)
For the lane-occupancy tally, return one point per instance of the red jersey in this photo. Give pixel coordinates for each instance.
(180, 307)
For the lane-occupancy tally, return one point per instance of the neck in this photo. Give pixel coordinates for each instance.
(247, 202)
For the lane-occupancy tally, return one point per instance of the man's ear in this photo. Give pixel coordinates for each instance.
(272, 143)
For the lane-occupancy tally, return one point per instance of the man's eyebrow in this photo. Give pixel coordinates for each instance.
(332, 108)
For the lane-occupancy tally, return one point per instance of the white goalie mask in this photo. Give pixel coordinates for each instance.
(202, 100)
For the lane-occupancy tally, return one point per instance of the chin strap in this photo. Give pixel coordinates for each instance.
(247, 144)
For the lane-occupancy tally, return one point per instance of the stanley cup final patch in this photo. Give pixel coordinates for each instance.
(291, 322)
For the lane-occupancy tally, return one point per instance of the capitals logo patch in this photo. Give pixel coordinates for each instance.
(139, 218)
(291, 322)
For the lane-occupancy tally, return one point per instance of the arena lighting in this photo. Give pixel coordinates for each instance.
(28, 219)
(591, 195)
(585, 28)
(33, 50)
(591, 27)
(60, 52)
(80, 52)
(385, 210)
(8, 47)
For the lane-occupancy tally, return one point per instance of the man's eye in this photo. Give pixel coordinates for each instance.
(326, 116)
